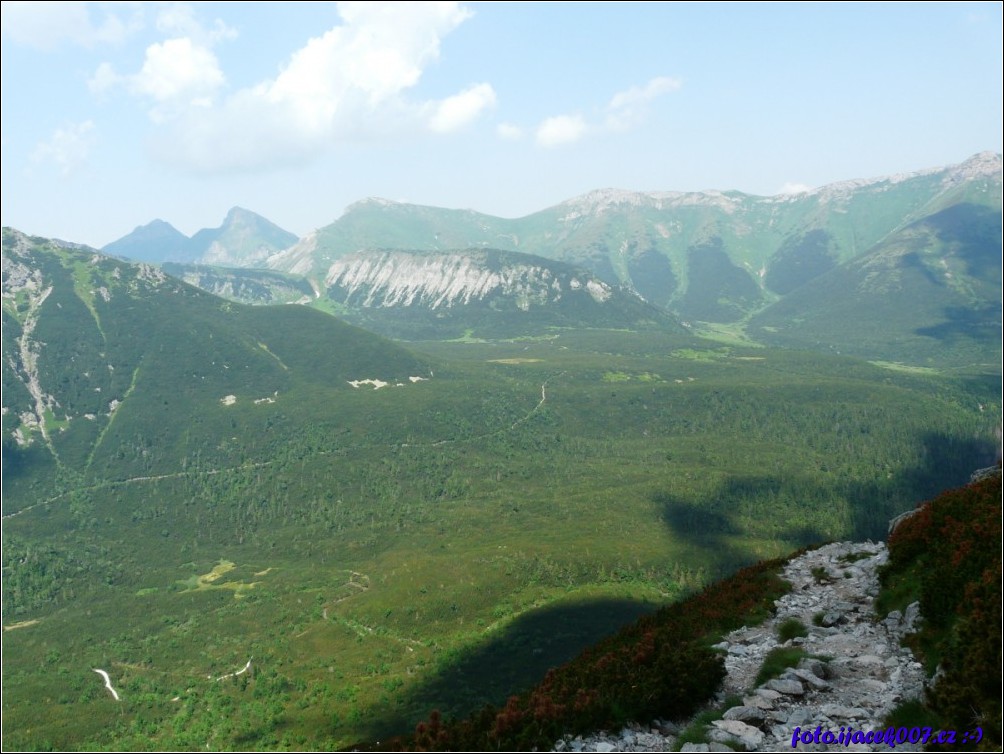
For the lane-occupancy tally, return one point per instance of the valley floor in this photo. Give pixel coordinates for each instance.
(852, 674)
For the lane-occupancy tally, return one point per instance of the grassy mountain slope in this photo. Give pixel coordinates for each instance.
(105, 360)
(718, 259)
(928, 294)
(620, 235)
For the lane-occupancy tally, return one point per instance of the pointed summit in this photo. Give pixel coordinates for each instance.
(245, 239)
(157, 241)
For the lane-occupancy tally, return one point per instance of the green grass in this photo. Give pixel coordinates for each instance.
(790, 629)
(777, 661)
(696, 731)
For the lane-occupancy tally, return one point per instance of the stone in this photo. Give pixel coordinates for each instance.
(745, 714)
(757, 701)
(841, 712)
(747, 735)
(798, 716)
(694, 747)
(791, 688)
(831, 619)
(605, 747)
(811, 679)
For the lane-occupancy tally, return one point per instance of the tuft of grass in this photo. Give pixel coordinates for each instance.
(821, 575)
(791, 628)
(697, 731)
(777, 661)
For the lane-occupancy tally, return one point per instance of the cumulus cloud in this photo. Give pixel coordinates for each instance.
(351, 81)
(179, 73)
(457, 111)
(67, 148)
(560, 129)
(178, 70)
(625, 110)
(47, 25)
(628, 108)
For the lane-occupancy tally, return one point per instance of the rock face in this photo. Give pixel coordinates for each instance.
(854, 673)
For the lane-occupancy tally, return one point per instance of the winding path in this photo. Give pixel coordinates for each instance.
(108, 683)
(245, 669)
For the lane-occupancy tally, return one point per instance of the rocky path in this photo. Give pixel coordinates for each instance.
(854, 674)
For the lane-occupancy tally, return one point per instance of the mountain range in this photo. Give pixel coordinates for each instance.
(902, 268)
(245, 239)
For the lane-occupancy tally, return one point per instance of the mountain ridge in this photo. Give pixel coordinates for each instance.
(243, 239)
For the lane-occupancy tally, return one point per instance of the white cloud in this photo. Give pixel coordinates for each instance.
(460, 109)
(625, 110)
(68, 147)
(350, 82)
(177, 74)
(509, 131)
(561, 129)
(178, 69)
(795, 188)
(628, 108)
(178, 20)
(46, 25)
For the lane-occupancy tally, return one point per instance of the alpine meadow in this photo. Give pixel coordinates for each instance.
(433, 478)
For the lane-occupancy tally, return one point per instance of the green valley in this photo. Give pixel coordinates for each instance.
(275, 530)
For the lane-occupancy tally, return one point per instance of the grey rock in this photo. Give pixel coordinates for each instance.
(791, 688)
(694, 747)
(745, 714)
(799, 716)
(605, 747)
(811, 679)
(831, 619)
(814, 666)
(758, 701)
(747, 735)
(841, 712)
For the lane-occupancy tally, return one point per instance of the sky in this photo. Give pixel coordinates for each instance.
(118, 113)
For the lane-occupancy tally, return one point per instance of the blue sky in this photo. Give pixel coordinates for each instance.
(116, 113)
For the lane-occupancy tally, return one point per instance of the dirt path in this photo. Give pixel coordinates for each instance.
(108, 683)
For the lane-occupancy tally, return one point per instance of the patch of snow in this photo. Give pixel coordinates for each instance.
(377, 384)
(228, 400)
